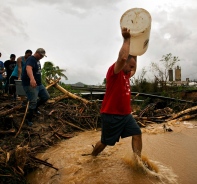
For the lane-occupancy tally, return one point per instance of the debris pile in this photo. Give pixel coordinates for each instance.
(167, 115)
(61, 118)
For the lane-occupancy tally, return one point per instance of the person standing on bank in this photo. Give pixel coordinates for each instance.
(32, 84)
(9, 67)
(116, 117)
(20, 65)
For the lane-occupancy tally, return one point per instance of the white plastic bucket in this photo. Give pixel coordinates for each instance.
(138, 20)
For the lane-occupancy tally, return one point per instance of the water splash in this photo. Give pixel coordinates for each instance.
(151, 168)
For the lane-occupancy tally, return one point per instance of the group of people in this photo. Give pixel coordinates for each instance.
(28, 69)
(11, 70)
(117, 120)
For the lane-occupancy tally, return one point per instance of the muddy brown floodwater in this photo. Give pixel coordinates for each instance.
(172, 156)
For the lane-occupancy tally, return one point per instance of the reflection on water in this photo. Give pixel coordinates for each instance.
(171, 158)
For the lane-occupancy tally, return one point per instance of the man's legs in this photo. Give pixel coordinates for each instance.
(99, 147)
(137, 144)
(43, 96)
(32, 95)
(12, 86)
(1, 85)
(6, 85)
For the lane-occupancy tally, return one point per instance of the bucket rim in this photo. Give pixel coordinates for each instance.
(142, 31)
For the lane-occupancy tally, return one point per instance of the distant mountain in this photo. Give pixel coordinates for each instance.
(79, 84)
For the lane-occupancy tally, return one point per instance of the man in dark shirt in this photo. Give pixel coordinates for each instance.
(9, 67)
(32, 84)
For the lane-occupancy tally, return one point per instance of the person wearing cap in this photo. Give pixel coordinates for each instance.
(32, 84)
(2, 70)
(9, 67)
(117, 120)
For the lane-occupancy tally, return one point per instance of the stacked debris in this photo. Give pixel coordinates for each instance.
(152, 114)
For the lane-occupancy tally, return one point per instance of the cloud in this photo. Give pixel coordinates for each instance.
(76, 7)
(84, 37)
(10, 24)
(175, 31)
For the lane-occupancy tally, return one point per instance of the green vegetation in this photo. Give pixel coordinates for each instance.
(161, 69)
(52, 72)
(158, 86)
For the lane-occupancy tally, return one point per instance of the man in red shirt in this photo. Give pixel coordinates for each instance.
(116, 117)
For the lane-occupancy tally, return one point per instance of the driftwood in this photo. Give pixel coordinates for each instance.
(59, 98)
(52, 83)
(56, 133)
(166, 110)
(22, 120)
(37, 160)
(141, 124)
(71, 95)
(5, 113)
(148, 107)
(186, 117)
(165, 115)
(71, 124)
(183, 112)
(152, 118)
(11, 131)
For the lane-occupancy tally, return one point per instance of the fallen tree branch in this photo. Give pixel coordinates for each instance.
(4, 113)
(186, 117)
(22, 120)
(8, 131)
(67, 92)
(54, 82)
(43, 162)
(60, 134)
(183, 112)
(59, 98)
(71, 124)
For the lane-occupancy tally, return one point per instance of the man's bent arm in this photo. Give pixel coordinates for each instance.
(124, 51)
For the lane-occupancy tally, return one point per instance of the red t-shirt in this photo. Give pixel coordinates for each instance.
(118, 95)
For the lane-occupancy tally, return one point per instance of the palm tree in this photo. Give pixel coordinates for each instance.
(52, 72)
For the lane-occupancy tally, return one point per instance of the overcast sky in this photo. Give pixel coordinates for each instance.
(84, 37)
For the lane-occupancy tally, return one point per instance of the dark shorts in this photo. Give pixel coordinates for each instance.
(116, 126)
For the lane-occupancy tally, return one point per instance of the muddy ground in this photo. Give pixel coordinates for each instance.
(19, 143)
